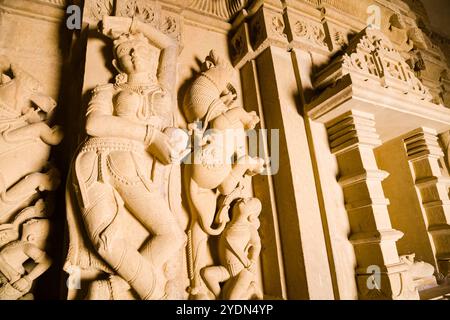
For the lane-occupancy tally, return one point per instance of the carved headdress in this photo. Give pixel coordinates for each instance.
(203, 100)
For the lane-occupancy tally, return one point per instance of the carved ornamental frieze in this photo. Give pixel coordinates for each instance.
(371, 57)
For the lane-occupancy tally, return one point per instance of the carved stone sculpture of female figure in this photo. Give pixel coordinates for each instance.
(122, 165)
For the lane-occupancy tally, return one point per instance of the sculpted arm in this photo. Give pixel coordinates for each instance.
(169, 52)
(101, 122)
(113, 26)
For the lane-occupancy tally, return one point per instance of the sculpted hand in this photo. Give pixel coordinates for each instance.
(33, 116)
(115, 26)
(22, 285)
(228, 98)
(161, 148)
(251, 267)
(254, 165)
(252, 120)
(50, 180)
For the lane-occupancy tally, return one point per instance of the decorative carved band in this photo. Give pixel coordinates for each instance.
(61, 3)
(371, 55)
(224, 9)
(149, 12)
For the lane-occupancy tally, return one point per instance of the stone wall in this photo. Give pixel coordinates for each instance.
(354, 96)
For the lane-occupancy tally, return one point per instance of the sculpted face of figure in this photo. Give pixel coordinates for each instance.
(36, 232)
(135, 55)
(248, 209)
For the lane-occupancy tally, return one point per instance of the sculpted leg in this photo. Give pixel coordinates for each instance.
(239, 288)
(197, 254)
(213, 276)
(153, 212)
(106, 237)
(202, 203)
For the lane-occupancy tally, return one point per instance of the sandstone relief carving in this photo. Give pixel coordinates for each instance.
(372, 56)
(25, 114)
(139, 9)
(417, 269)
(239, 249)
(122, 229)
(99, 8)
(125, 237)
(213, 181)
(224, 9)
(310, 32)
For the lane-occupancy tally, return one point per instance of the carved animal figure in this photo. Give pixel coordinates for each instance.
(222, 139)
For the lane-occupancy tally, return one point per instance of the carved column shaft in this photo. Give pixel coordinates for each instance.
(352, 138)
(424, 154)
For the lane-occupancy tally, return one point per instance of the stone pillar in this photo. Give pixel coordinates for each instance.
(424, 154)
(380, 274)
(291, 221)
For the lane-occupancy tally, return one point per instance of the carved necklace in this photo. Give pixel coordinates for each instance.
(139, 88)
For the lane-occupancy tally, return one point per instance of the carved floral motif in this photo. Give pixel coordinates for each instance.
(278, 26)
(310, 32)
(100, 8)
(139, 9)
(339, 39)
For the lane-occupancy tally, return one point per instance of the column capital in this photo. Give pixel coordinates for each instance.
(421, 143)
(262, 28)
(351, 130)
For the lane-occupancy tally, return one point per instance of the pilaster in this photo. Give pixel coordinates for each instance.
(353, 137)
(424, 154)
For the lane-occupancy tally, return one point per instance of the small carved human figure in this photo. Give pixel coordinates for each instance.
(123, 163)
(220, 161)
(239, 249)
(16, 277)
